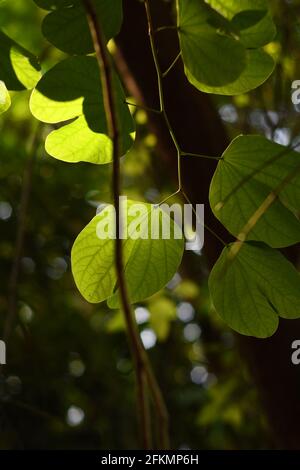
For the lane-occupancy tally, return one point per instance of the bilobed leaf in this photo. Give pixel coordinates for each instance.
(72, 90)
(229, 8)
(225, 59)
(19, 69)
(149, 263)
(66, 26)
(250, 17)
(250, 169)
(5, 101)
(256, 29)
(205, 52)
(259, 66)
(252, 288)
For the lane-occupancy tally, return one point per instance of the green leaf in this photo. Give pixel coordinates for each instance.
(72, 89)
(251, 288)
(259, 66)
(5, 101)
(66, 27)
(220, 63)
(149, 263)
(53, 4)
(205, 52)
(229, 8)
(250, 17)
(250, 169)
(19, 69)
(256, 29)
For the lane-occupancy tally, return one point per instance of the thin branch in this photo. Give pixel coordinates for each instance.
(172, 65)
(145, 108)
(182, 192)
(171, 27)
(142, 365)
(200, 155)
(202, 221)
(168, 198)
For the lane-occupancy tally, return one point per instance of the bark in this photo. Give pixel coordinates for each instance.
(199, 129)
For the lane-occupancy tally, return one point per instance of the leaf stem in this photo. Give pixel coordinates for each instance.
(172, 65)
(145, 108)
(143, 370)
(199, 155)
(166, 28)
(202, 222)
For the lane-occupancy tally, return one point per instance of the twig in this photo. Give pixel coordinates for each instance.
(166, 28)
(144, 108)
(172, 65)
(143, 370)
(200, 155)
(202, 221)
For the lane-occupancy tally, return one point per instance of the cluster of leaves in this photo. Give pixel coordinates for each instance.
(255, 189)
(90, 367)
(254, 192)
(221, 43)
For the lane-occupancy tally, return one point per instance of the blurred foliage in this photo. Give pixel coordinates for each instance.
(69, 379)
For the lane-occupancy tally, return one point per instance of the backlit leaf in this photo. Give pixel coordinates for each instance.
(205, 52)
(72, 90)
(19, 69)
(253, 288)
(250, 169)
(225, 59)
(5, 101)
(259, 66)
(66, 26)
(149, 263)
(250, 17)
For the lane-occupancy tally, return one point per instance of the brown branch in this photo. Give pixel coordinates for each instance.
(143, 370)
